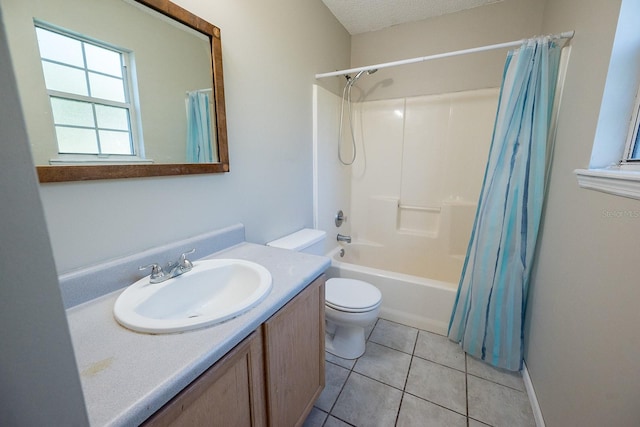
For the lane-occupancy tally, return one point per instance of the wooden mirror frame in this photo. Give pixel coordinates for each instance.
(92, 172)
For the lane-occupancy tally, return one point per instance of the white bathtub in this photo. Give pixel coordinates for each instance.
(411, 300)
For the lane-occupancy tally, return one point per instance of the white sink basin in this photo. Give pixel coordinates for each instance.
(213, 291)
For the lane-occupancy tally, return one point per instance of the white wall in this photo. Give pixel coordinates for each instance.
(39, 381)
(495, 23)
(271, 52)
(583, 339)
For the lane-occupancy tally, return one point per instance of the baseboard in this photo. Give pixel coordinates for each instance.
(533, 399)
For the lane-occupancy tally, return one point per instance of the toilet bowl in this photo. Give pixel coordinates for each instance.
(350, 306)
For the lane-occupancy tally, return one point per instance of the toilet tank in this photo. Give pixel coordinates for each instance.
(306, 240)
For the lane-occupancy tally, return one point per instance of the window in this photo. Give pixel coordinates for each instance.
(632, 150)
(614, 166)
(88, 86)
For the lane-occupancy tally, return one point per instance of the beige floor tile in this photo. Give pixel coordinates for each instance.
(367, 402)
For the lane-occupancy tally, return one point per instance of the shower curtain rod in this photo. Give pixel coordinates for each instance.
(199, 90)
(564, 35)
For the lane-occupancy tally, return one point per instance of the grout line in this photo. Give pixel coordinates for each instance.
(442, 364)
(406, 379)
(337, 397)
(498, 383)
(392, 348)
(403, 390)
(324, 412)
(338, 418)
(371, 331)
(479, 422)
(335, 364)
(378, 381)
(329, 414)
(436, 404)
(398, 411)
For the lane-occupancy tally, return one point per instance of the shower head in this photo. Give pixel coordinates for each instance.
(360, 73)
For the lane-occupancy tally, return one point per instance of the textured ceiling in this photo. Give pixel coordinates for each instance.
(360, 16)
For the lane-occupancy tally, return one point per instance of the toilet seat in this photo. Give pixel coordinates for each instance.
(351, 295)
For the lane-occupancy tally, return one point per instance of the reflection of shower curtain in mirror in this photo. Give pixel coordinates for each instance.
(199, 148)
(488, 315)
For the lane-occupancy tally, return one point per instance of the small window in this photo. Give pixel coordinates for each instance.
(632, 151)
(88, 86)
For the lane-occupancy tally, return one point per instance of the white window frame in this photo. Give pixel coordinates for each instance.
(131, 104)
(621, 178)
(624, 179)
(632, 138)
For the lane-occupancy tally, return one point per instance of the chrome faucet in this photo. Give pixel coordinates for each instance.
(173, 269)
(343, 238)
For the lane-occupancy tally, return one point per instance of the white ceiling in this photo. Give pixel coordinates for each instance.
(361, 16)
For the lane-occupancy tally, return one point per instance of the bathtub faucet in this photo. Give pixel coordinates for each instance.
(342, 238)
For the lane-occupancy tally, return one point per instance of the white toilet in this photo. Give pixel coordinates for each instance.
(350, 305)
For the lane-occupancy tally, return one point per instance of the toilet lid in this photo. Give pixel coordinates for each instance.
(351, 295)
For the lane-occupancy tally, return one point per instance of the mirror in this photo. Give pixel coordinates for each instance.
(171, 55)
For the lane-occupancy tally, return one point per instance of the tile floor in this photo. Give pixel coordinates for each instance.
(410, 377)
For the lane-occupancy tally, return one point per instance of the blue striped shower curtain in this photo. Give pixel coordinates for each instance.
(488, 314)
(199, 149)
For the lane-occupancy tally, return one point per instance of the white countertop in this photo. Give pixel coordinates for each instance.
(127, 376)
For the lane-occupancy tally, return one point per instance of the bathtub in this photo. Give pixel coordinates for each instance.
(411, 300)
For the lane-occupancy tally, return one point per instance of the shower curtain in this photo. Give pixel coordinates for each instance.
(199, 148)
(488, 314)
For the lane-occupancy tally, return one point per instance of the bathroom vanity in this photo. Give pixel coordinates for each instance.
(284, 357)
(264, 367)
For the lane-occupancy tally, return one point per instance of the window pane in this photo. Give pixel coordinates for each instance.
(78, 141)
(113, 142)
(106, 87)
(103, 60)
(86, 75)
(112, 117)
(64, 79)
(59, 48)
(74, 113)
(636, 147)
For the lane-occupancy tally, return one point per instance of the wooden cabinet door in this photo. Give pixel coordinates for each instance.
(229, 394)
(294, 356)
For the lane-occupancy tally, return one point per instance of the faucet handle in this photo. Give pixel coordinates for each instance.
(184, 262)
(156, 271)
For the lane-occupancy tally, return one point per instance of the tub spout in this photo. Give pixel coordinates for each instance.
(342, 238)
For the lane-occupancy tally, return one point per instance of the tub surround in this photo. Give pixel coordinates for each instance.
(127, 376)
(419, 182)
(410, 195)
